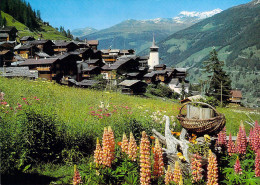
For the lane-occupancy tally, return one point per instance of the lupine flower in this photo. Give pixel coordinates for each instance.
(222, 137)
(251, 138)
(241, 140)
(145, 163)
(231, 146)
(107, 157)
(237, 167)
(256, 137)
(76, 177)
(124, 145)
(132, 148)
(111, 142)
(176, 173)
(181, 181)
(158, 160)
(98, 154)
(168, 175)
(257, 163)
(212, 169)
(196, 168)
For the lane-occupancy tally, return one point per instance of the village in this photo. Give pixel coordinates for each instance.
(77, 64)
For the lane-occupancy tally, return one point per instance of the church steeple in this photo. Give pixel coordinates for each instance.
(154, 55)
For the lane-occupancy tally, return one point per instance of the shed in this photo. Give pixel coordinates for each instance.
(133, 87)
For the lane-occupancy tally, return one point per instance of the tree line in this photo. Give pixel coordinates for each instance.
(21, 11)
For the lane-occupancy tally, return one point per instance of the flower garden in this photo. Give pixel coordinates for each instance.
(47, 129)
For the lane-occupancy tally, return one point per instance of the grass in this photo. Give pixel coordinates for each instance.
(73, 108)
(48, 32)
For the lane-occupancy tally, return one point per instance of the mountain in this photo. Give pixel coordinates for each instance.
(137, 34)
(80, 32)
(235, 35)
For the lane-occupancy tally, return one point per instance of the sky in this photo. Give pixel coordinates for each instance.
(100, 14)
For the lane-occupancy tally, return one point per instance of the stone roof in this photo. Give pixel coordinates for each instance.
(39, 61)
(88, 82)
(92, 42)
(129, 83)
(92, 61)
(26, 38)
(150, 75)
(42, 54)
(160, 65)
(89, 68)
(18, 72)
(4, 35)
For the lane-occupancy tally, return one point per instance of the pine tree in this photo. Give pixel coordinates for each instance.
(218, 78)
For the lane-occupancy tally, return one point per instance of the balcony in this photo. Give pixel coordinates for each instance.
(43, 68)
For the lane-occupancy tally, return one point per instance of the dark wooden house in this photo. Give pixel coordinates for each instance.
(6, 58)
(61, 47)
(160, 67)
(43, 46)
(93, 44)
(150, 77)
(26, 51)
(4, 37)
(90, 72)
(47, 68)
(236, 96)
(133, 87)
(10, 31)
(25, 39)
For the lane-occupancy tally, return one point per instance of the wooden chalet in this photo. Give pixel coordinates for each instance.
(61, 47)
(7, 45)
(134, 76)
(43, 46)
(10, 32)
(95, 62)
(93, 44)
(41, 55)
(68, 66)
(90, 72)
(4, 37)
(47, 68)
(22, 72)
(236, 96)
(150, 77)
(121, 67)
(6, 58)
(25, 39)
(26, 51)
(133, 87)
(160, 67)
(180, 73)
(161, 75)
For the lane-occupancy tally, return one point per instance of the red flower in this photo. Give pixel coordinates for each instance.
(257, 163)
(237, 166)
(24, 98)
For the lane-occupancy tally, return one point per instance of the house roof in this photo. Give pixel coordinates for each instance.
(18, 72)
(160, 72)
(114, 51)
(26, 38)
(24, 47)
(4, 52)
(174, 81)
(39, 61)
(181, 69)
(150, 75)
(236, 93)
(160, 65)
(92, 42)
(63, 43)
(92, 61)
(129, 83)
(88, 82)
(7, 28)
(89, 68)
(42, 54)
(4, 35)
(133, 74)
(38, 42)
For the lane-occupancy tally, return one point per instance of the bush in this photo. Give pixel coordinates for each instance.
(159, 90)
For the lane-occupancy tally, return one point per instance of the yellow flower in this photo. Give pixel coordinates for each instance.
(207, 138)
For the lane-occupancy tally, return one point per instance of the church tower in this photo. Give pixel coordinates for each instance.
(154, 55)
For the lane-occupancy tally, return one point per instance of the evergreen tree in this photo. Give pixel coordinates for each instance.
(218, 78)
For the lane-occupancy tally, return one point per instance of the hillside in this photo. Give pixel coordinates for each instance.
(46, 31)
(137, 34)
(235, 35)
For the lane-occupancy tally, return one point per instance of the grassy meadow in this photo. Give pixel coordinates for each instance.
(46, 127)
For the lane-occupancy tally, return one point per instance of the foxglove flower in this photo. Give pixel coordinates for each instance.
(237, 167)
(231, 146)
(145, 163)
(196, 168)
(132, 148)
(176, 173)
(212, 174)
(124, 145)
(158, 160)
(98, 154)
(168, 175)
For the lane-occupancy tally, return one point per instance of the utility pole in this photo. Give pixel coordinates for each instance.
(221, 92)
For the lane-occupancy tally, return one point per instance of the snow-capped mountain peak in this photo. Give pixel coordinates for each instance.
(200, 15)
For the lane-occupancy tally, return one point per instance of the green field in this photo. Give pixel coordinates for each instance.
(76, 117)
